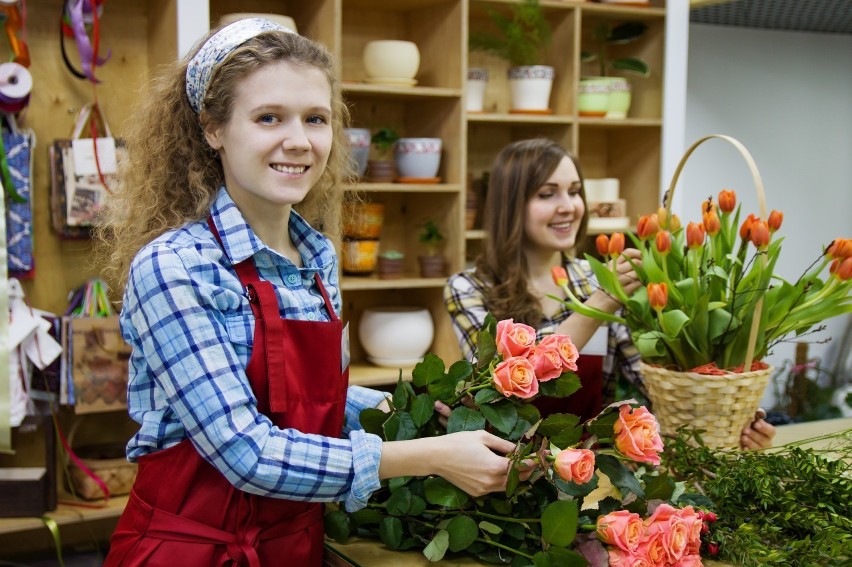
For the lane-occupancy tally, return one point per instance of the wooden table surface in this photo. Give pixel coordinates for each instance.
(372, 553)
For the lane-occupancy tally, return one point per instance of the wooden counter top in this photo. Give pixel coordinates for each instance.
(371, 553)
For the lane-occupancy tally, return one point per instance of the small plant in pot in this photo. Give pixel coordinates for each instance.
(382, 169)
(604, 95)
(521, 39)
(432, 263)
(391, 265)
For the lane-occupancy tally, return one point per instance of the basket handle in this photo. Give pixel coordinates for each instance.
(761, 197)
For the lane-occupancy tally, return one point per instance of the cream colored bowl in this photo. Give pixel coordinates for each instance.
(391, 59)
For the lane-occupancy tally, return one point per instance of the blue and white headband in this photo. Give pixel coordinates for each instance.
(216, 49)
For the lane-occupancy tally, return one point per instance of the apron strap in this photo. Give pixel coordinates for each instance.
(328, 306)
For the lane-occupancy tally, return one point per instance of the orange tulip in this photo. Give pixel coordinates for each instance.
(674, 223)
(775, 220)
(708, 206)
(695, 235)
(616, 244)
(760, 234)
(727, 200)
(745, 229)
(560, 276)
(840, 248)
(658, 295)
(844, 272)
(602, 244)
(647, 226)
(662, 217)
(664, 242)
(846, 248)
(832, 269)
(712, 223)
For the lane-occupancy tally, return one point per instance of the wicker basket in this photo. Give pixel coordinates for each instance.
(106, 461)
(720, 405)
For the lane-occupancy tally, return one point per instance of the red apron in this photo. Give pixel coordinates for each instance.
(182, 511)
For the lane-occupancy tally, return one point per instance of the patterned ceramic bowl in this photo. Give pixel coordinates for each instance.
(418, 157)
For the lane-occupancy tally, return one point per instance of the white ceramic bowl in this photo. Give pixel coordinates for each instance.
(392, 59)
(418, 157)
(396, 336)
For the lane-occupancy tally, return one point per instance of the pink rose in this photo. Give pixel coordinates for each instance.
(621, 558)
(694, 524)
(637, 435)
(621, 528)
(689, 561)
(575, 465)
(675, 530)
(653, 548)
(514, 339)
(516, 377)
(547, 362)
(567, 350)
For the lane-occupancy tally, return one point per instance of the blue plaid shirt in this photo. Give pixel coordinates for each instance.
(191, 327)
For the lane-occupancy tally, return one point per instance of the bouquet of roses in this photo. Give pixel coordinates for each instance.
(645, 520)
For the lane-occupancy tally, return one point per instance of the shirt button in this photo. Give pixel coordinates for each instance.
(292, 278)
(312, 315)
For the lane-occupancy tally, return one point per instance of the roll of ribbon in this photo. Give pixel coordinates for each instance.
(16, 83)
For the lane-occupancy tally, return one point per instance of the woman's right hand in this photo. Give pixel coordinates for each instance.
(627, 276)
(474, 461)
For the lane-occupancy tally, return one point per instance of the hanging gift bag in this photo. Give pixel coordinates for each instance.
(16, 161)
(83, 171)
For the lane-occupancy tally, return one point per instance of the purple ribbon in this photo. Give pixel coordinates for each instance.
(75, 10)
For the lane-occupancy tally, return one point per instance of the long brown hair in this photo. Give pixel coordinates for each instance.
(519, 170)
(172, 176)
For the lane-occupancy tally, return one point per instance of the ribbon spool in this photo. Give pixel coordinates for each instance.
(16, 83)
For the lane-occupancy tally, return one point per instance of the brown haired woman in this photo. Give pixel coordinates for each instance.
(239, 375)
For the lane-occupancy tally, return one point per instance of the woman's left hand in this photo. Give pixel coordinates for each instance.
(758, 434)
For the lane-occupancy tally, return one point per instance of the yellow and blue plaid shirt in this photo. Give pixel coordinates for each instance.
(464, 296)
(190, 324)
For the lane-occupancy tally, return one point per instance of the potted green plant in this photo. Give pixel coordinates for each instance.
(382, 169)
(391, 265)
(432, 263)
(521, 40)
(604, 95)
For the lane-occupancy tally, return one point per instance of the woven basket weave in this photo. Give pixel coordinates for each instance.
(721, 405)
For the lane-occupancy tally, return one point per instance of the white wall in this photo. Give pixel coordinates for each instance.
(787, 96)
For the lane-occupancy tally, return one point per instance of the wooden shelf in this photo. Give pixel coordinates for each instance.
(355, 283)
(66, 514)
(390, 91)
(518, 118)
(369, 375)
(406, 187)
(620, 123)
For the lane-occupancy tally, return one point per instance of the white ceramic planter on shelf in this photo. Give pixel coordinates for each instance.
(477, 80)
(530, 86)
(359, 148)
(418, 158)
(391, 61)
(396, 336)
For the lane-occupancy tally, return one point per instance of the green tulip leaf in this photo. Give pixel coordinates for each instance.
(559, 522)
(437, 548)
(502, 415)
(465, 419)
(462, 531)
(675, 321)
(441, 492)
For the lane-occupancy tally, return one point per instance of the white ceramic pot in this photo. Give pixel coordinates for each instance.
(529, 87)
(359, 148)
(593, 97)
(619, 98)
(396, 336)
(391, 59)
(418, 158)
(477, 80)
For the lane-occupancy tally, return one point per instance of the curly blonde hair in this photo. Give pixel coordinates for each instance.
(171, 175)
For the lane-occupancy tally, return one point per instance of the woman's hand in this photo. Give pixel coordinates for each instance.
(758, 434)
(627, 276)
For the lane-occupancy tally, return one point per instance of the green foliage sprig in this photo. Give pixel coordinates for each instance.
(786, 506)
(522, 36)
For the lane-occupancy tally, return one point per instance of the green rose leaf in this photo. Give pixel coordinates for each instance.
(559, 557)
(603, 425)
(460, 370)
(502, 415)
(490, 528)
(430, 369)
(520, 429)
(556, 423)
(619, 475)
(514, 478)
(422, 409)
(398, 481)
(577, 490)
(402, 394)
(366, 517)
(372, 420)
(337, 525)
(441, 492)
(437, 548)
(405, 503)
(561, 387)
(658, 487)
(406, 428)
(487, 395)
(559, 522)
(465, 419)
(390, 530)
(463, 532)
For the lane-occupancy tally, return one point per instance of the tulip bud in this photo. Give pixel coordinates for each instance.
(616, 244)
(658, 295)
(775, 220)
(727, 200)
(712, 223)
(602, 244)
(844, 272)
(708, 206)
(674, 223)
(662, 217)
(745, 229)
(664, 242)
(694, 235)
(647, 226)
(560, 276)
(760, 234)
(845, 250)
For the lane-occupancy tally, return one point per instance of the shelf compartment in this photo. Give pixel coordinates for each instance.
(372, 282)
(435, 188)
(518, 118)
(370, 376)
(486, 139)
(363, 90)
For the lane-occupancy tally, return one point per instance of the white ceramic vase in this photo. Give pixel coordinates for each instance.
(391, 61)
(418, 158)
(530, 86)
(396, 336)
(477, 80)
